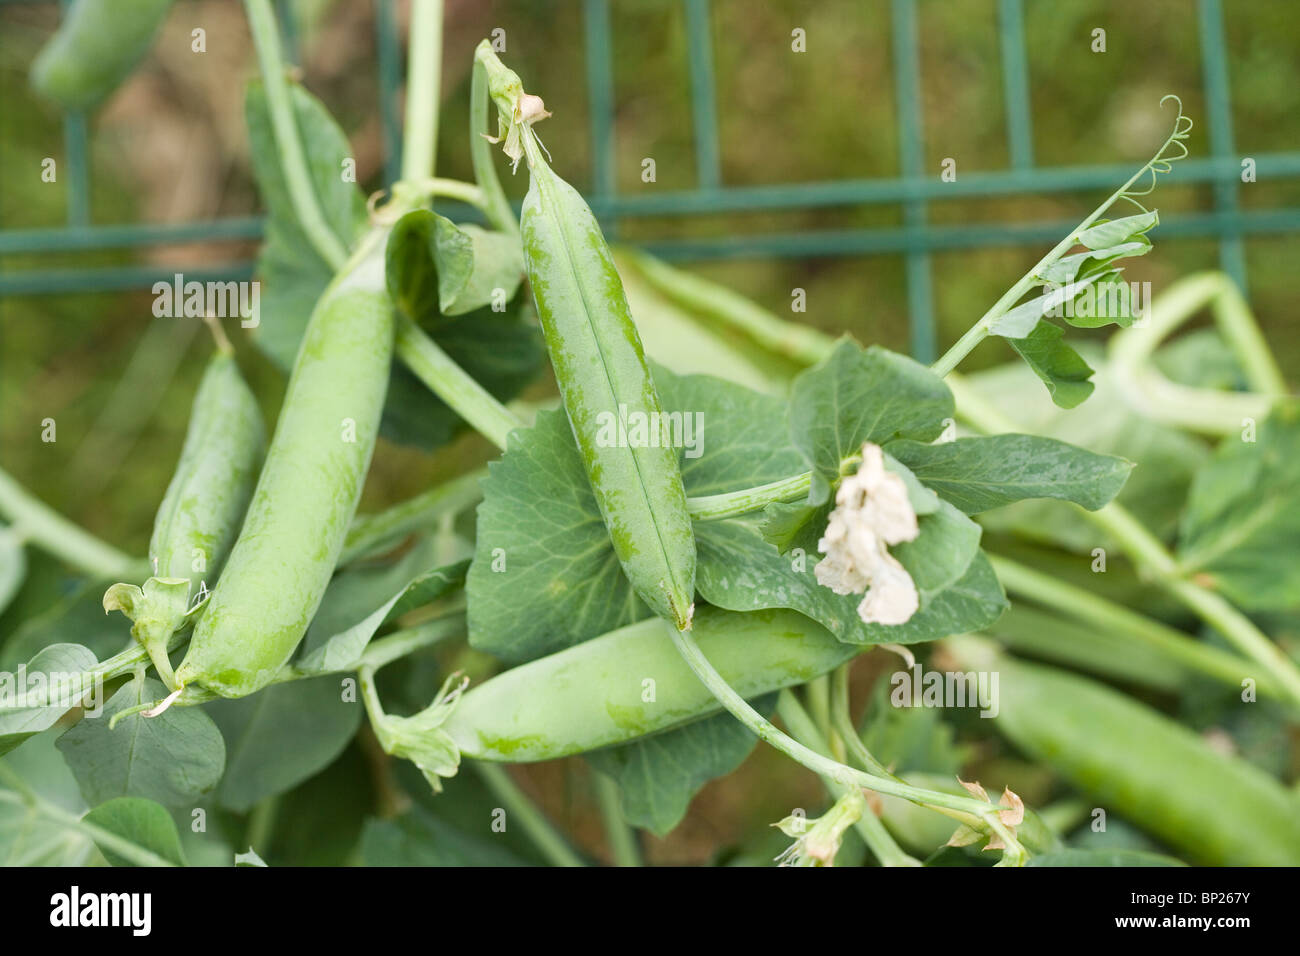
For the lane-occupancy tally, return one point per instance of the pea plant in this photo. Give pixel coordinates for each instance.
(684, 556)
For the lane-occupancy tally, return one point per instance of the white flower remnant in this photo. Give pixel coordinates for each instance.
(872, 511)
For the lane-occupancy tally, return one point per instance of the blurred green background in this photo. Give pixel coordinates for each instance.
(169, 147)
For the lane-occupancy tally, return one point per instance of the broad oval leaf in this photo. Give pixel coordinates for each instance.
(143, 822)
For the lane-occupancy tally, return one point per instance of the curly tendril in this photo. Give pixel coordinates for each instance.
(1163, 161)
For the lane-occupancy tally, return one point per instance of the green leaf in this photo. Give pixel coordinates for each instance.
(281, 736)
(319, 822)
(659, 775)
(1241, 524)
(143, 822)
(80, 612)
(362, 599)
(1062, 370)
(977, 474)
(940, 555)
(1070, 857)
(293, 273)
(1108, 233)
(28, 838)
(27, 706)
(1068, 268)
(417, 838)
(739, 571)
(1022, 320)
(13, 566)
(173, 758)
(437, 269)
(856, 396)
(544, 575)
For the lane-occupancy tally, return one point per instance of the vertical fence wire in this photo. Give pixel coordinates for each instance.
(1218, 106)
(907, 93)
(600, 107)
(704, 111)
(390, 82)
(1015, 82)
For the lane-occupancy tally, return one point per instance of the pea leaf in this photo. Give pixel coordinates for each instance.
(81, 612)
(437, 269)
(293, 273)
(173, 758)
(740, 572)
(977, 474)
(32, 839)
(659, 775)
(417, 838)
(143, 822)
(856, 396)
(1062, 370)
(1108, 233)
(283, 735)
(1068, 268)
(28, 702)
(1241, 525)
(1021, 321)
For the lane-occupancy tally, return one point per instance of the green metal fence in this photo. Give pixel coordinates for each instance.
(913, 190)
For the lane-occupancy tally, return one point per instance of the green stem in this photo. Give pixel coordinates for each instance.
(261, 823)
(24, 796)
(496, 205)
(873, 832)
(369, 532)
(449, 189)
(37, 522)
(980, 330)
(734, 503)
(451, 383)
(518, 806)
(842, 721)
(818, 764)
(1115, 618)
(306, 205)
(621, 836)
(402, 643)
(423, 75)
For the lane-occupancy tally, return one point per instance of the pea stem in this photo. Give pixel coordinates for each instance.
(24, 796)
(466, 397)
(423, 77)
(869, 826)
(980, 330)
(842, 721)
(621, 835)
(449, 189)
(422, 511)
(731, 701)
(496, 206)
(517, 804)
(734, 503)
(37, 522)
(306, 206)
(1094, 609)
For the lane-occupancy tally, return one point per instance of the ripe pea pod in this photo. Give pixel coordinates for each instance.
(596, 693)
(97, 45)
(201, 512)
(602, 373)
(1218, 810)
(308, 489)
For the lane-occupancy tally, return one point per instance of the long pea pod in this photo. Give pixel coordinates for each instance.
(632, 682)
(97, 45)
(601, 370)
(201, 511)
(1218, 810)
(308, 490)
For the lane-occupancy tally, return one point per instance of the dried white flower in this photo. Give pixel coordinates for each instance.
(872, 511)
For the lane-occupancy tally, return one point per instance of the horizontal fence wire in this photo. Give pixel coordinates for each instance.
(912, 190)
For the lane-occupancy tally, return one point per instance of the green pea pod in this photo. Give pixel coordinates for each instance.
(632, 682)
(308, 490)
(1216, 809)
(97, 45)
(607, 390)
(201, 512)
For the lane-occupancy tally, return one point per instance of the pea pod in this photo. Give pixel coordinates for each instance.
(201, 512)
(602, 373)
(97, 45)
(308, 489)
(632, 682)
(1216, 809)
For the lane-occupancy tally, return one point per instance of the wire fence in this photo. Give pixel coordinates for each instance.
(913, 190)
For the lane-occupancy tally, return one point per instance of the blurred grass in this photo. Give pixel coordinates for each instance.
(169, 146)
